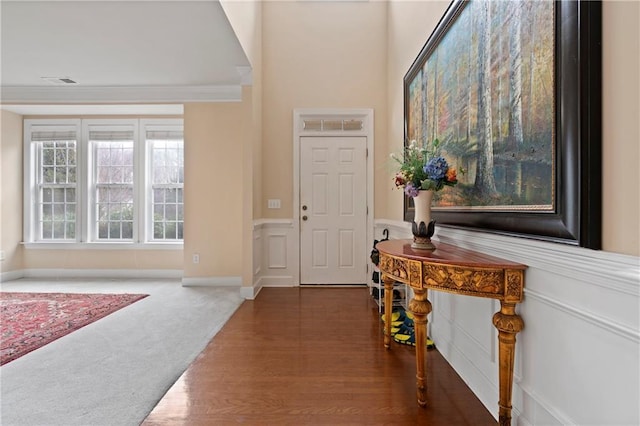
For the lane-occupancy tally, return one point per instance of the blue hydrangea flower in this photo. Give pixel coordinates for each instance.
(436, 168)
(411, 190)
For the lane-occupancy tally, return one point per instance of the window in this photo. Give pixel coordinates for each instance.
(104, 181)
(57, 189)
(166, 157)
(51, 181)
(112, 183)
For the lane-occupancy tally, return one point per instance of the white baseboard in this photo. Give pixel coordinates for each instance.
(477, 380)
(212, 282)
(250, 293)
(546, 412)
(11, 275)
(275, 281)
(102, 273)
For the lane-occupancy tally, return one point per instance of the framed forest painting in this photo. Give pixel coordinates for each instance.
(511, 90)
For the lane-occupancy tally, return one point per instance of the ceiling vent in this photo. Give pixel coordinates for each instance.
(59, 80)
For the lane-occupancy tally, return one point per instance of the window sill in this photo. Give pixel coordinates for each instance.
(60, 245)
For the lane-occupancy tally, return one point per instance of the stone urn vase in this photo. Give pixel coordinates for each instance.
(423, 227)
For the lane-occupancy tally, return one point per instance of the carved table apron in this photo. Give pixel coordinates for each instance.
(460, 271)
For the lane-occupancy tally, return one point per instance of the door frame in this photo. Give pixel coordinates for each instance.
(300, 115)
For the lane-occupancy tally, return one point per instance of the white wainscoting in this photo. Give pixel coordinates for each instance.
(577, 359)
(274, 261)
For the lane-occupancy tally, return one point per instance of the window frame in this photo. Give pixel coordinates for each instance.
(156, 125)
(86, 226)
(91, 233)
(54, 188)
(32, 199)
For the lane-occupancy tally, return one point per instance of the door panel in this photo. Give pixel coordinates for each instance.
(346, 247)
(333, 188)
(320, 249)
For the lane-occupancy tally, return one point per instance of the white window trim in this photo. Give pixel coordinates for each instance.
(84, 227)
(64, 245)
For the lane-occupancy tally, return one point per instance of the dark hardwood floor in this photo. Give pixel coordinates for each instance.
(313, 356)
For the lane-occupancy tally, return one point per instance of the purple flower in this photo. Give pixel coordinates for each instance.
(411, 190)
(436, 168)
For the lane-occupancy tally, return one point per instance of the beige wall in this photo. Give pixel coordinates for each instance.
(130, 259)
(317, 55)
(215, 135)
(411, 23)
(621, 127)
(245, 18)
(11, 191)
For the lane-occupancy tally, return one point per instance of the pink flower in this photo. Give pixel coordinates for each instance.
(400, 179)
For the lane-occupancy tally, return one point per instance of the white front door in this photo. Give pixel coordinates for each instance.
(333, 210)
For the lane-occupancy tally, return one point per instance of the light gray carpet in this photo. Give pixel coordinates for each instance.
(113, 371)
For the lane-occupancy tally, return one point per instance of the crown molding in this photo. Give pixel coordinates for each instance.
(120, 94)
(246, 75)
(92, 109)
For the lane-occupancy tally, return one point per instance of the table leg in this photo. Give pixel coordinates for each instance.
(420, 308)
(508, 324)
(388, 306)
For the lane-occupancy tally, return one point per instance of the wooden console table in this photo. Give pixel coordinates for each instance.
(460, 271)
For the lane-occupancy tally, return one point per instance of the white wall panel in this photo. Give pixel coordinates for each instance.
(277, 251)
(274, 260)
(257, 252)
(577, 359)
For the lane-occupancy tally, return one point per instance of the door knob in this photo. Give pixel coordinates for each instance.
(304, 217)
(304, 207)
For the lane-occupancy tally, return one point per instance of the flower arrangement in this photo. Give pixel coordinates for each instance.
(422, 169)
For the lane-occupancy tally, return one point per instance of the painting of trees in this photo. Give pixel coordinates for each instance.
(486, 91)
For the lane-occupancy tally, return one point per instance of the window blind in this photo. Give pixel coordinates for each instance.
(111, 135)
(165, 135)
(53, 135)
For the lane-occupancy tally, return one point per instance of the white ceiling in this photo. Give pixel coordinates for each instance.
(118, 52)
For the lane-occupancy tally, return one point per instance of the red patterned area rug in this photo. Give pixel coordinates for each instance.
(29, 321)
